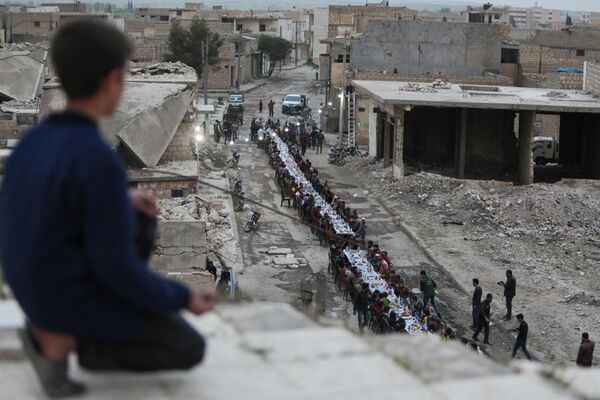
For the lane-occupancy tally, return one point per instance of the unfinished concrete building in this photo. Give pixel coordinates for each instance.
(479, 131)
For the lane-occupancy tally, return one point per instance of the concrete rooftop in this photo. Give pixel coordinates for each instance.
(145, 121)
(488, 97)
(21, 74)
(269, 351)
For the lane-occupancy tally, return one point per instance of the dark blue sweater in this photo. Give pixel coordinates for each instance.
(66, 236)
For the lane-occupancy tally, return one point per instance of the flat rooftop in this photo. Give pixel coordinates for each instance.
(480, 96)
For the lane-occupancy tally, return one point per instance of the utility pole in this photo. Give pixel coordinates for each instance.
(296, 45)
(343, 93)
(239, 71)
(204, 46)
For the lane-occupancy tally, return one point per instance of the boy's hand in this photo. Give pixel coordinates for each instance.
(143, 202)
(202, 300)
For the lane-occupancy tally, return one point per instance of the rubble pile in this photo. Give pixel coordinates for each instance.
(539, 210)
(11, 105)
(25, 46)
(415, 87)
(441, 84)
(554, 94)
(178, 209)
(163, 69)
(284, 258)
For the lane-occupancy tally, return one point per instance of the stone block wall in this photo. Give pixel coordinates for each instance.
(571, 80)
(180, 245)
(162, 187)
(592, 77)
(149, 49)
(547, 125)
(182, 145)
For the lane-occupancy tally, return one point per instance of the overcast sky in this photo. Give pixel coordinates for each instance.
(581, 5)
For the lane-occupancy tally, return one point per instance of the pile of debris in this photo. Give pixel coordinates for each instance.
(441, 84)
(25, 46)
(416, 87)
(284, 258)
(164, 70)
(554, 94)
(30, 106)
(178, 209)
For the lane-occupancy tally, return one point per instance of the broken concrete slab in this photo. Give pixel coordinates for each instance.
(21, 74)
(279, 251)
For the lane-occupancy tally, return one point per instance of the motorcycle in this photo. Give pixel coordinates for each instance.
(237, 188)
(336, 157)
(234, 160)
(253, 223)
(238, 201)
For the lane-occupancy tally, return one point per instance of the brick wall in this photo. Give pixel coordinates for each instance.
(12, 126)
(162, 189)
(489, 79)
(149, 50)
(25, 24)
(592, 78)
(536, 59)
(182, 145)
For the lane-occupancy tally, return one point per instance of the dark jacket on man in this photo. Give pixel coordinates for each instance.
(428, 286)
(362, 301)
(586, 353)
(484, 310)
(477, 296)
(522, 332)
(510, 287)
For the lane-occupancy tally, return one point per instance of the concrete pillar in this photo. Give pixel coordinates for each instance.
(386, 142)
(373, 117)
(525, 163)
(462, 142)
(398, 164)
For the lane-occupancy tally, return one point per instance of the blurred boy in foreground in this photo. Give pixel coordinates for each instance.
(67, 234)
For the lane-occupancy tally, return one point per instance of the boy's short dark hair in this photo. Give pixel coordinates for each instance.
(84, 52)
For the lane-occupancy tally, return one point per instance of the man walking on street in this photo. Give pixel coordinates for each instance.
(428, 288)
(271, 105)
(260, 106)
(218, 131)
(475, 302)
(361, 305)
(510, 289)
(320, 140)
(484, 320)
(585, 356)
(521, 341)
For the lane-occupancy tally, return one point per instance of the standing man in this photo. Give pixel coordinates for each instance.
(260, 106)
(227, 128)
(475, 302)
(320, 140)
(271, 106)
(521, 341)
(303, 142)
(73, 267)
(484, 320)
(510, 289)
(585, 356)
(428, 288)
(361, 305)
(218, 130)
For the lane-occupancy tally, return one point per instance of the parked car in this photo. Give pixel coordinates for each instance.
(235, 103)
(545, 150)
(294, 104)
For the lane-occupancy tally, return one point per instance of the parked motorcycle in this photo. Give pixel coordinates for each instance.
(237, 187)
(234, 160)
(238, 201)
(335, 157)
(253, 223)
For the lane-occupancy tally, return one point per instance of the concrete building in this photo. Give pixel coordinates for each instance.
(429, 16)
(414, 47)
(76, 6)
(488, 14)
(478, 131)
(536, 17)
(338, 20)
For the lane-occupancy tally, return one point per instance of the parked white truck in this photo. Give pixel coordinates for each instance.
(545, 150)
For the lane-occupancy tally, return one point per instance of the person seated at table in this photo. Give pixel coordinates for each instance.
(353, 216)
(384, 257)
(416, 305)
(384, 299)
(374, 250)
(425, 315)
(400, 290)
(397, 323)
(433, 324)
(448, 335)
(382, 267)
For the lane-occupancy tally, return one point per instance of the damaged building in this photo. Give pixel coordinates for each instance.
(479, 131)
